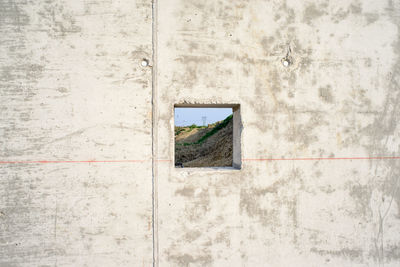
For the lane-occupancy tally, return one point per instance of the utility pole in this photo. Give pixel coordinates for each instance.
(204, 118)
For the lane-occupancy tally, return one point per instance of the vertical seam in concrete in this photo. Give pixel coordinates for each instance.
(154, 136)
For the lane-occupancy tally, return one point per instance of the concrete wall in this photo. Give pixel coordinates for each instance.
(339, 98)
(73, 90)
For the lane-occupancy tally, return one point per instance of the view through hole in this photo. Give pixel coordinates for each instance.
(203, 137)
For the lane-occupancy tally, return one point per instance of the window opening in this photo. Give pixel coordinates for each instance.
(204, 136)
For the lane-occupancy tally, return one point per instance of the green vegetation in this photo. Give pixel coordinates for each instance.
(214, 130)
(179, 130)
(193, 126)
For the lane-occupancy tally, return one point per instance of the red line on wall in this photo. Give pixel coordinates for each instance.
(168, 160)
(316, 159)
(68, 161)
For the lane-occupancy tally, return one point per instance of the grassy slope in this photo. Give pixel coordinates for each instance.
(214, 130)
(208, 147)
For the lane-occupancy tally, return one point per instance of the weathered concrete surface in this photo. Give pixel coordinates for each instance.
(340, 97)
(72, 88)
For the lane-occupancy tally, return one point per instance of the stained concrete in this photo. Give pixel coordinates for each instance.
(73, 90)
(339, 97)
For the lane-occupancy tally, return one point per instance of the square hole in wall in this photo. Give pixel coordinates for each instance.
(207, 136)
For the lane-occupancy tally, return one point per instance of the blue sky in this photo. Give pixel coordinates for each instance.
(189, 116)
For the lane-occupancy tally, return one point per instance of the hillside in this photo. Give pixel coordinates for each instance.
(204, 146)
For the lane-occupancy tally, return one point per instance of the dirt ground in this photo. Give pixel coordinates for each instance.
(215, 151)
